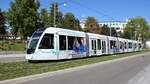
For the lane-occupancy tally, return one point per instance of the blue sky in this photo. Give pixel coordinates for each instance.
(102, 10)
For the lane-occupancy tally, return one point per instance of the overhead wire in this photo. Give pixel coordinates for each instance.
(94, 10)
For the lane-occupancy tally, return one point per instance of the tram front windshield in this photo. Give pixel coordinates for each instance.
(34, 40)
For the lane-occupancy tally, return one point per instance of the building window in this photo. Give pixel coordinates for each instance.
(117, 28)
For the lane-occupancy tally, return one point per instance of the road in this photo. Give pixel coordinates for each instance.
(11, 57)
(126, 71)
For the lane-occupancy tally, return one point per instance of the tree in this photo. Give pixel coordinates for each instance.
(77, 25)
(45, 19)
(23, 17)
(2, 23)
(137, 28)
(148, 34)
(59, 19)
(105, 30)
(128, 33)
(91, 25)
(70, 22)
(120, 34)
(113, 32)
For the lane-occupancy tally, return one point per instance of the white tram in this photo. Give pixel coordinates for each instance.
(57, 43)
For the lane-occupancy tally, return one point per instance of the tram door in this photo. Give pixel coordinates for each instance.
(94, 47)
(103, 47)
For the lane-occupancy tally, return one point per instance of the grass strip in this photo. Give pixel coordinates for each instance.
(20, 69)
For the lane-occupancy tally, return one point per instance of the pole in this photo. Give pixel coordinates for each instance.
(110, 31)
(55, 13)
(54, 22)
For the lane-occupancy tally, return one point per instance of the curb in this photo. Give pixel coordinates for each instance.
(48, 74)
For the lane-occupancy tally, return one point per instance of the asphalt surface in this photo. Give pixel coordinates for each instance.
(118, 72)
(12, 57)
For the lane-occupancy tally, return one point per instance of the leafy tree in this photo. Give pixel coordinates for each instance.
(91, 25)
(120, 34)
(105, 30)
(135, 28)
(113, 32)
(148, 34)
(23, 17)
(77, 25)
(70, 22)
(2, 23)
(45, 19)
(59, 19)
(128, 33)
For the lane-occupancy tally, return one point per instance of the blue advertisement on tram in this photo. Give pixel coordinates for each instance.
(79, 47)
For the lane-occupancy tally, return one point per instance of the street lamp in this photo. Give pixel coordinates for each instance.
(54, 18)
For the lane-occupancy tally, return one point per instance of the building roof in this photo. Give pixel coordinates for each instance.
(113, 21)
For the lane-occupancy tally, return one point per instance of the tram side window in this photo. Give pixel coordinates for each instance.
(125, 45)
(92, 45)
(62, 42)
(140, 45)
(103, 44)
(47, 42)
(135, 46)
(121, 45)
(112, 44)
(130, 45)
(99, 44)
(70, 42)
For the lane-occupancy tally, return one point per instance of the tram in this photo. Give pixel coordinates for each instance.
(57, 43)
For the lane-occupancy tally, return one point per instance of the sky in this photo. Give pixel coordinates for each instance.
(102, 10)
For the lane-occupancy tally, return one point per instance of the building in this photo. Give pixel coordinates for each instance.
(118, 25)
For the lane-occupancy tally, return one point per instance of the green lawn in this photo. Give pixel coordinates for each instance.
(19, 69)
(18, 46)
(10, 46)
